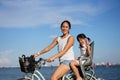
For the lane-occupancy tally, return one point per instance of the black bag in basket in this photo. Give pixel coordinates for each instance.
(27, 64)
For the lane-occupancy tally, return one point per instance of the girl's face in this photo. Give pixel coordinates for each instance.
(65, 28)
(81, 41)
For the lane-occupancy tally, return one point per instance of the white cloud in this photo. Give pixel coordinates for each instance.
(4, 61)
(32, 13)
(5, 58)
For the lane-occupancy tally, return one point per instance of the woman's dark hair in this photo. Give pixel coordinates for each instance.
(82, 36)
(66, 22)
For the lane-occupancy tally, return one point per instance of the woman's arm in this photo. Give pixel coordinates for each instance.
(69, 44)
(47, 48)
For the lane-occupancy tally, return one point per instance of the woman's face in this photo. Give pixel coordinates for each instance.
(81, 41)
(65, 28)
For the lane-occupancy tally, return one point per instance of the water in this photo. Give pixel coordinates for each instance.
(110, 73)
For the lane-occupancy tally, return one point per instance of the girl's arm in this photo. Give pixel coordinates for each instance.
(88, 50)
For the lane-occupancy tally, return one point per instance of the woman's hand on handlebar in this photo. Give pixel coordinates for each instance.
(50, 59)
(35, 54)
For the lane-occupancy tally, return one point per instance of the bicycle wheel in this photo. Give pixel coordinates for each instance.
(90, 77)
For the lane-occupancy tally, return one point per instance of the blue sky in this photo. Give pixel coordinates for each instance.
(27, 26)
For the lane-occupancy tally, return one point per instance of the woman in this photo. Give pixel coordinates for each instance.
(65, 51)
(85, 52)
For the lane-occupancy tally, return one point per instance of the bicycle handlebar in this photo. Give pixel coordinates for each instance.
(40, 62)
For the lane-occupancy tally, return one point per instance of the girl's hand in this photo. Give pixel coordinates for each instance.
(87, 42)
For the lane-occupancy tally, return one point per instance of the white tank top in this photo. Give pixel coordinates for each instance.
(69, 55)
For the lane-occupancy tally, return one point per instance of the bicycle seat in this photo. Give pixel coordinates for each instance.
(87, 67)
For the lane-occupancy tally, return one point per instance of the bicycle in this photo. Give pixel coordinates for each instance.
(29, 65)
(37, 75)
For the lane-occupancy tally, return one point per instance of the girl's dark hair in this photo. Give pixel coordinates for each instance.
(82, 36)
(66, 22)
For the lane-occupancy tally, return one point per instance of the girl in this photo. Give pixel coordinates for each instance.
(85, 52)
